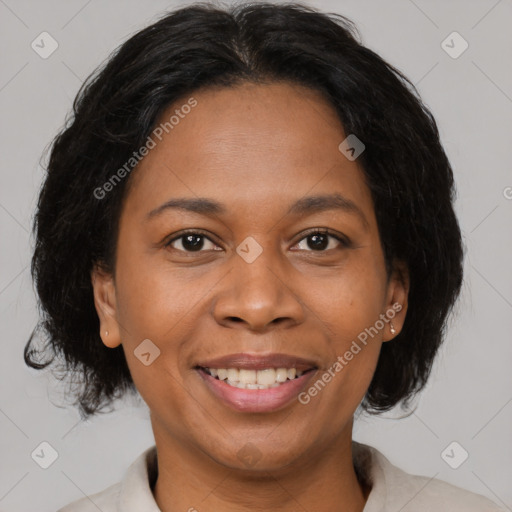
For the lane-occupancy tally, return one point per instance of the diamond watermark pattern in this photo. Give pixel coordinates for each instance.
(44, 455)
(351, 147)
(249, 249)
(249, 454)
(44, 45)
(454, 45)
(147, 352)
(454, 455)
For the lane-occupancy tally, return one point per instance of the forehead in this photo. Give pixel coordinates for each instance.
(248, 145)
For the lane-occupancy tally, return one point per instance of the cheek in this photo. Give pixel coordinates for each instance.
(349, 305)
(149, 308)
(158, 303)
(162, 390)
(153, 298)
(351, 300)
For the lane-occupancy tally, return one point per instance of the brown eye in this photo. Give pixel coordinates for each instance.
(321, 240)
(191, 242)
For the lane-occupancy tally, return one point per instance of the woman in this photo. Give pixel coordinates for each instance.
(249, 222)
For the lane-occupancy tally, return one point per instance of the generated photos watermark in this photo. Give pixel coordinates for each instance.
(342, 361)
(151, 143)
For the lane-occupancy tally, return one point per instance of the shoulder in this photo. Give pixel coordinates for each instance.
(394, 489)
(106, 501)
(132, 494)
(423, 493)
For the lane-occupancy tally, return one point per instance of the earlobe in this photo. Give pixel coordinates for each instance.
(106, 307)
(397, 302)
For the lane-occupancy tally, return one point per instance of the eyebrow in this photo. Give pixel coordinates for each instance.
(315, 204)
(304, 206)
(199, 205)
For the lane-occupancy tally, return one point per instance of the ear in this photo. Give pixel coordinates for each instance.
(396, 301)
(106, 307)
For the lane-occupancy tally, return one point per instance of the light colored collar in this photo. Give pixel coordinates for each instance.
(136, 491)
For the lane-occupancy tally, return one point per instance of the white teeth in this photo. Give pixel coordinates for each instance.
(267, 377)
(281, 374)
(246, 376)
(255, 379)
(233, 375)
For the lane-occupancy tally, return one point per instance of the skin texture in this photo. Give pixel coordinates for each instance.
(257, 149)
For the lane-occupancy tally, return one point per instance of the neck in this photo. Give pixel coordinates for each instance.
(325, 482)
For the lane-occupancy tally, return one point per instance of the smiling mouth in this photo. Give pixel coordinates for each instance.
(244, 378)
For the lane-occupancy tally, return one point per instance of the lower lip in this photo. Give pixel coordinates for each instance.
(256, 400)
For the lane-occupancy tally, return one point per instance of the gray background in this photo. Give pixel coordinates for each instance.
(469, 396)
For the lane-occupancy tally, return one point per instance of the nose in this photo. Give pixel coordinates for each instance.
(257, 296)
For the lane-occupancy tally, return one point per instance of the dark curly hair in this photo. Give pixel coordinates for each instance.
(198, 46)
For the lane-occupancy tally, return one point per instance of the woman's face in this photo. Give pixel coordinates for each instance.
(254, 288)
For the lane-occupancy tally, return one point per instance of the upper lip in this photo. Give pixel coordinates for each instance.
(258, 362)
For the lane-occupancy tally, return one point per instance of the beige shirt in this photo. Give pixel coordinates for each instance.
(393, 490)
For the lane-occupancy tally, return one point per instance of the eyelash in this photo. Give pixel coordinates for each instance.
(344, 241)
